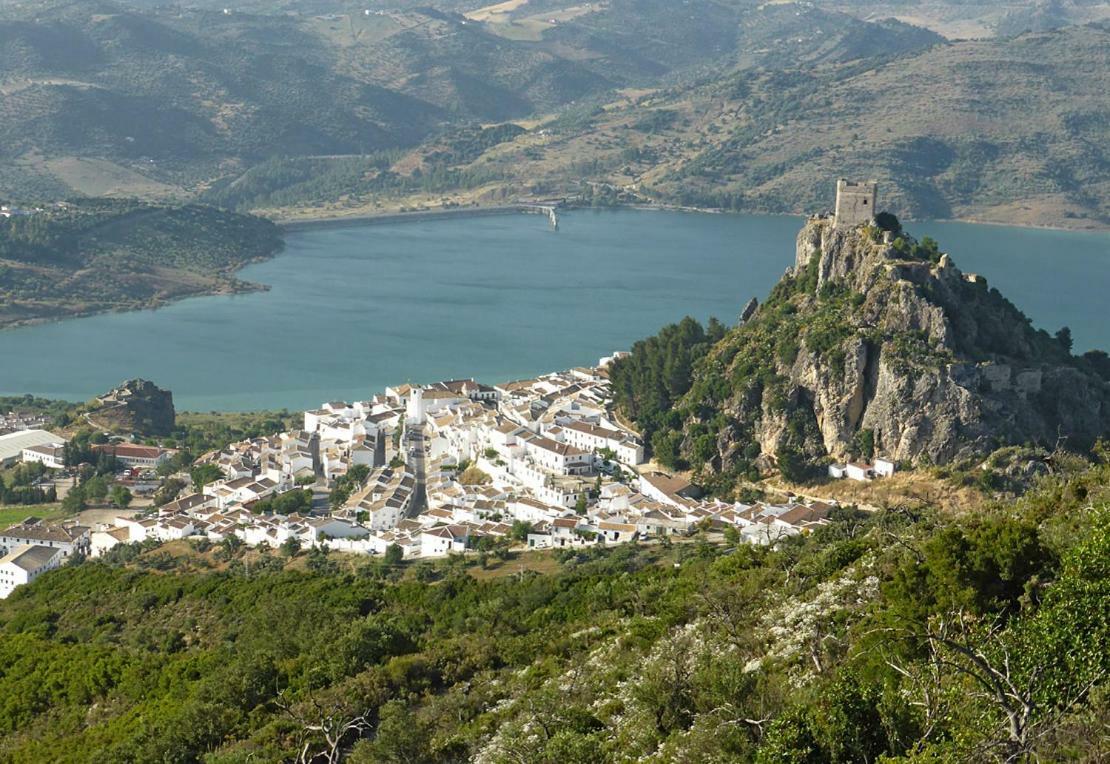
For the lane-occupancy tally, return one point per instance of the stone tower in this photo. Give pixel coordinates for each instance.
(855, 202)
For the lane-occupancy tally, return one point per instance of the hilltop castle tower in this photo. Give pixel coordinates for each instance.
(855, 202)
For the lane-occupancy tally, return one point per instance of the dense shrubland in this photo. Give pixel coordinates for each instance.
(906, 633)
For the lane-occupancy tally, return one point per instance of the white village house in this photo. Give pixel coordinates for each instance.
(70, 539)
(26, 563)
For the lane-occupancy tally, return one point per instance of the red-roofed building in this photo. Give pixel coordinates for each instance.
(135, 456)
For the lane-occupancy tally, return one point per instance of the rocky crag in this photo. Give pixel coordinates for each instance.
(136, 406)
(936, 364)
(874, 344)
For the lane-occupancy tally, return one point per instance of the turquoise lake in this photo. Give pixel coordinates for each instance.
(357, 307)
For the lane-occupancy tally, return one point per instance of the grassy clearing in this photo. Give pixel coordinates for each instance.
(543, 563)
(99, 177)
(16, 514)
(525, 30)
(491, 12)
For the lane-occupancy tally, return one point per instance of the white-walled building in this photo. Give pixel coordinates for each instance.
(559, 458)
(529, 510)
(193, 502)
(131, 455)
(334, 528)
(26, 563)
(52, 455)
(590, 437)
(616, 533)
(859, 471)
(667, 489)
(70, 539)
(13, 444)
(436, 542)
(102, 541)
(229, 493)
(534, 441)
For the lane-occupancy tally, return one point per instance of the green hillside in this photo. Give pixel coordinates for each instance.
(95, 255)
(872, 345)
(905, 634)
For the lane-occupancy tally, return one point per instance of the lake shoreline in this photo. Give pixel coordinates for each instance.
(415, 216)
(235, 286)
(352, 310)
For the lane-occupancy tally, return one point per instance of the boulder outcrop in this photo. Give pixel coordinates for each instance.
(136, 406)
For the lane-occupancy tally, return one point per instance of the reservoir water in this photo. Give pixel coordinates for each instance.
(354, 308)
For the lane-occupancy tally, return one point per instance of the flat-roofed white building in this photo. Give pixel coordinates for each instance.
(884, 468)
(13, 444)
(52, 455)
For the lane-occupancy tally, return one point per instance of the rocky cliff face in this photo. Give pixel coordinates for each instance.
(874, 343)
(136, 406)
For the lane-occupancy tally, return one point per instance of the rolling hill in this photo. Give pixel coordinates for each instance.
(97, 255)
(719, 103)
(1006, 130)
(182, 97)
(164, 101)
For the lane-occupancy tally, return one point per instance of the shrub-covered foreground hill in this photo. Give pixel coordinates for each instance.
(904, 634)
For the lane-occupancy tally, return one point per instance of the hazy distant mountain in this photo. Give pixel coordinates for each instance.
(1004, 129)
(714, 102)
(185, 96)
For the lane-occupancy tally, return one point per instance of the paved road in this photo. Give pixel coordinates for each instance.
(321, 498)
(414, 458)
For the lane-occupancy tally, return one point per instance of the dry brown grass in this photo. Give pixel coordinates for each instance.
(99, 177)
(542, 562)
(491, 12)
(914, 488)
(474, 476)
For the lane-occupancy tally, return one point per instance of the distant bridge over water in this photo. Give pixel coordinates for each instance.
(544, 209)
